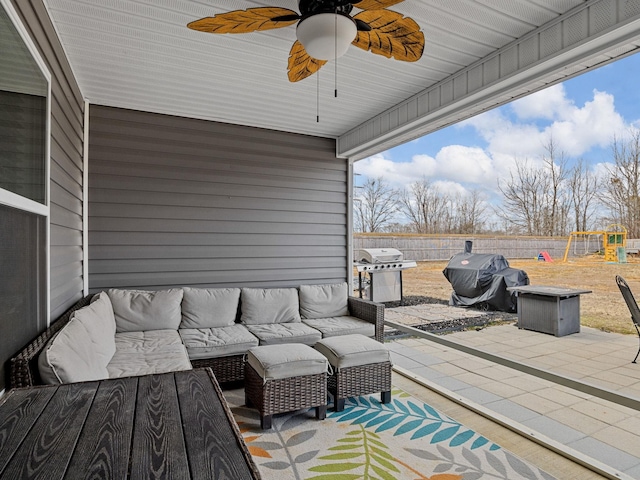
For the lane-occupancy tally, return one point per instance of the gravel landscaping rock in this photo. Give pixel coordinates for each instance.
(436, 316)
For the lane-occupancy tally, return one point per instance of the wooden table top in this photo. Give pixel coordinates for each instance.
(548, 291)
(171, 426)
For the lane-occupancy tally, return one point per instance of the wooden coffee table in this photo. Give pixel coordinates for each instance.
(171, 426)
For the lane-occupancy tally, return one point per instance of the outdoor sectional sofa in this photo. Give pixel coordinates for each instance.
(119, 333)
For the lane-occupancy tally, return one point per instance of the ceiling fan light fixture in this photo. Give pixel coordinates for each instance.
(326, 36)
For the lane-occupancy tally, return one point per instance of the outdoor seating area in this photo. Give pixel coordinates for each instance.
(121, 333)
(126, 345)
(561, 416)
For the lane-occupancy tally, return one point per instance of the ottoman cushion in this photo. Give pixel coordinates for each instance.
(352, 351)
(274, 362)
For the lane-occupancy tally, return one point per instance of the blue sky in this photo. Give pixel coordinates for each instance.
(581, 115)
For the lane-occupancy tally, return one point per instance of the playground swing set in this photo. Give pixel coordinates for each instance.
(614, 242)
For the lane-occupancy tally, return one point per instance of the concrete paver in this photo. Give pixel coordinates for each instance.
(605, 431)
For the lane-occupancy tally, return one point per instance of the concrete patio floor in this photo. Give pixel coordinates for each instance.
(591, 429)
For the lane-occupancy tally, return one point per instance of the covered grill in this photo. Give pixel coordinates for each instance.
(384, 267)
(482, 279)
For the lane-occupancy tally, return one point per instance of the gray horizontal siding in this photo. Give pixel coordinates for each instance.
(176, 201)
(67, 114)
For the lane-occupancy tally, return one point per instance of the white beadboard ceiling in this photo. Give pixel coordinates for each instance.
(139, 54)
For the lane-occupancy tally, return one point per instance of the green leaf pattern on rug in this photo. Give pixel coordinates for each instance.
(402, 440)
(367, 448)
(409, 417)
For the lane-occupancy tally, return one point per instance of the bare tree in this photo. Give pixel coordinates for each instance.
(536, 201)
(375, 205)
(557, 198)
(585, 189)
(522, 205)
(623, 184)
(470, 213)
(430, 210)
(425, 207)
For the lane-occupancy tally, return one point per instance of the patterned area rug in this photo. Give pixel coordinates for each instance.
(405, 439)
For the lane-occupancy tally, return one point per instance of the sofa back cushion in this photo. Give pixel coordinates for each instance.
(269, 305)
(140, 310)
(209, 307)
(324, 301)
(83, 348)
(106, 327)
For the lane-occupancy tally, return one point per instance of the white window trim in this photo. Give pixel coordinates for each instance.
(85, 202)
(17, 201)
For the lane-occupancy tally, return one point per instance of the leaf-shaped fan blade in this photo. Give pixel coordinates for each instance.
(391, 35)
(375, 4)
(246, 21)
(301, 65)
(361, 26)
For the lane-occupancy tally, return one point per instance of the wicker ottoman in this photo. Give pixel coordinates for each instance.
(284, 378)
(360, 365)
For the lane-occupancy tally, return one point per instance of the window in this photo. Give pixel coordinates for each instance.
(24, 179)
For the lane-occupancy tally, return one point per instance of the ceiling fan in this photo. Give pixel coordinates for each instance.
(326, 29)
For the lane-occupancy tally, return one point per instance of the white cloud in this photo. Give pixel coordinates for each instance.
(465, 164)
(376, 166)
(594, 125)
(455, 163)
(452, 188)
(517, 132)
(603, 170)
(547, 104)
(574, 130)
(397, 174)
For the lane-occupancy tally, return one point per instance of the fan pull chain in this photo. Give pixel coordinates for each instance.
(336, 80)
(318, 97)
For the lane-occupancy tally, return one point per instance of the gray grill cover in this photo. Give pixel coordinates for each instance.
(482, 279)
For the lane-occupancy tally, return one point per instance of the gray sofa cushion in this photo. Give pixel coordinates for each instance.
(145, 353)
(140, 310)
(269, 305)
(169, 359)
(217, 342)
(278, 333)
(99, 315)
(83, 348)
(272, 362)
(323, 301)
(209, 307)
(347, 325)
(146, 341)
